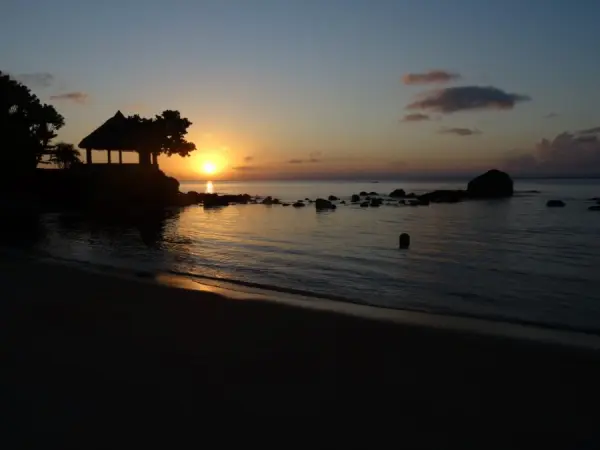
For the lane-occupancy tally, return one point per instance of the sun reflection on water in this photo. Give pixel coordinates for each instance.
(209, 187)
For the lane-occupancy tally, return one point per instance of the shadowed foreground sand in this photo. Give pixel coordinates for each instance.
(86, 355)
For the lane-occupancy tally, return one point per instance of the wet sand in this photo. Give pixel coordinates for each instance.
(87, 354)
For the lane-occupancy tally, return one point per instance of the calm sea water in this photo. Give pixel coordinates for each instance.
(511, 259)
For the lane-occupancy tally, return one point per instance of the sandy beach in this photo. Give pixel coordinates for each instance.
(83, 350)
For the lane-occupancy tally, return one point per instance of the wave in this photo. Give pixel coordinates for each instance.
(231, 283)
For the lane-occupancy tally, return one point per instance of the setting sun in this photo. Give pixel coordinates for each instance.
(209, 168)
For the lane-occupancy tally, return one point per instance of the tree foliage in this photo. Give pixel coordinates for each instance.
(162, 134)
(26, 124)
(64, 155)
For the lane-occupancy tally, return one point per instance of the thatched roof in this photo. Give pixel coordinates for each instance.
(114, 134)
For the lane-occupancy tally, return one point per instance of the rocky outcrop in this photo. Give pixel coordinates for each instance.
(355, 198)
(322, 205)
(555, 204)
(299, 204)
(398, 193)
(214, 201)
(443, 196)
(333, 198)
(492, 184)
(270, 201)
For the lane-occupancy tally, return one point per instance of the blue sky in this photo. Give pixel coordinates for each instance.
(267, 82)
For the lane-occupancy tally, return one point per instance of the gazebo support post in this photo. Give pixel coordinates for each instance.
(108, 153)
(120, 157)
(88, 155)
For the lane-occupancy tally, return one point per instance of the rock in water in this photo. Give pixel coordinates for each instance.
(355, 198)
(594, 208)
(333, 198)
(321, 204)
(442, 196)
(398, 193)
(555, 204)
(492, 184)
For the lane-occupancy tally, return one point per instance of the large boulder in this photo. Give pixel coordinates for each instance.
(492, 184)
(398, 193)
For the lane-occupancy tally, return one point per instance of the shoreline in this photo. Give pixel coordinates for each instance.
(83, 348)
(242, 290)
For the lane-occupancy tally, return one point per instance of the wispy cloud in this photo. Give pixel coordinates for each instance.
(590, 130)
(245, 168)
(249, 158)
(587, 138)
(551, 115)
(430, 77)
(36, 79)
(77, 97)
(416, 117)
(314, 157)
(460, 131)
(465, 98)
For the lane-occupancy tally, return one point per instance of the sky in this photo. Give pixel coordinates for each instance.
(326, 88)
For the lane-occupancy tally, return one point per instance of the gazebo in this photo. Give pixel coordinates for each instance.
(114, 135)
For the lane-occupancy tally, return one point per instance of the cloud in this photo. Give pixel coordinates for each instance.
(248, 158)
(551, 115)
(589, 130)
(77, 97)
(587, 138)
(566, 154)
(245, 168)
(460, 131)
(465, 98)
(431, 77)
(314, 157)
(36, 79)
(416, 117)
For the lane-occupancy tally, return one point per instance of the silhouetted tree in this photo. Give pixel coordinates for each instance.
(27, 126)
(163, 134)
(64, 155)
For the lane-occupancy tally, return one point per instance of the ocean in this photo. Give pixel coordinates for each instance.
(513, 259)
